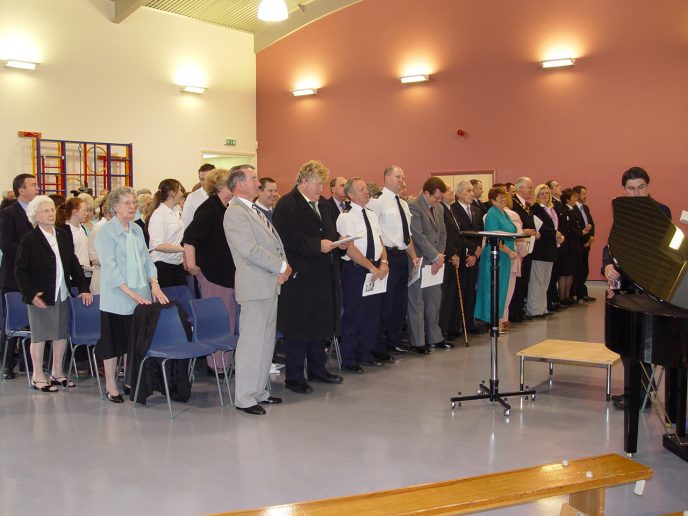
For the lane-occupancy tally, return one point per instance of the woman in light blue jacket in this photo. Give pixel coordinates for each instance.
(128, 279)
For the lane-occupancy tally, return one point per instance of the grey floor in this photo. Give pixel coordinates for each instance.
(71, 453)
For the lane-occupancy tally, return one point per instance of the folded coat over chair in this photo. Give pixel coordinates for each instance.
(144, 322)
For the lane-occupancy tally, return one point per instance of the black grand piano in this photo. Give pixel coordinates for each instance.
(646, 321)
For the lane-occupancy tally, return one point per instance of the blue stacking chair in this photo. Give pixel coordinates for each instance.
(170, 343)
(84, 330)
(211, 327)
(182, 295)
(16, 324)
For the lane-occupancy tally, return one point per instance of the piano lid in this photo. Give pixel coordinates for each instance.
(650, 249)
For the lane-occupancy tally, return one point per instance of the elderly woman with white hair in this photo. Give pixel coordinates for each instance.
(45, 263)
(126, 272)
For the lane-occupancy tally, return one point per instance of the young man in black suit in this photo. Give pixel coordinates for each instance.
(581, 289)
(13, 225)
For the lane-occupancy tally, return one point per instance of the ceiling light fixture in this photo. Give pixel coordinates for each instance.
(193, 89)
(558, 63)
(303, 92)
(272, 10)
(414, 78)
(24, 65)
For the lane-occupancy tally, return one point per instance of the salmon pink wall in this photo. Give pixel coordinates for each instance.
(625, 102)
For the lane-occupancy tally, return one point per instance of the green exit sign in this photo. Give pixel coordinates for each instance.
(230, 141)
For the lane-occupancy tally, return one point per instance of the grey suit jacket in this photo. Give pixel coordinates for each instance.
(429, 233)
(257, 251)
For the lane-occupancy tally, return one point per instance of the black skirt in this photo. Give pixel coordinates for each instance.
(114, 335)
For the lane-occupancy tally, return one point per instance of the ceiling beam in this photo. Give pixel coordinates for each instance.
(124, 8)
(297, 19)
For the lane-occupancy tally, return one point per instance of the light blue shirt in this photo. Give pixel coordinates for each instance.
(111, 248)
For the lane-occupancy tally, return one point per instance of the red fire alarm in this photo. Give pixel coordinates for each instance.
(461, 132)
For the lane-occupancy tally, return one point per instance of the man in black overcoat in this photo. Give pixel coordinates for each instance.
(309, 309)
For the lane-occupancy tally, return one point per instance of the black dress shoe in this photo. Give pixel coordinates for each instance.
(589, 299)
(617, 397)
(126, 390)
(271, 401)
(398, 349)
(325, 377)
(9, 375)
(298, 387)
(374, 363)
(442, 345)
(422, 350)
(553, 307)
(383, 356)
(255, 410)
(211, 372)
(565, 303)
(356, 369)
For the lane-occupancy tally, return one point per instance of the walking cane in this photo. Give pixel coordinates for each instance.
(463, 316)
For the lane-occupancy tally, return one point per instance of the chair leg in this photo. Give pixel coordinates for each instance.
(337, 352)
(69, 370)
(138, 380)
(167, 389)
(95, 366)
(4, 356)
(90, 362)
(217, 380)
(26, 362)
(225, 381)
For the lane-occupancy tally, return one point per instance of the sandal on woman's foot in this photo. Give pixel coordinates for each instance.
(62, 380)
(114, 399)
(43, 386)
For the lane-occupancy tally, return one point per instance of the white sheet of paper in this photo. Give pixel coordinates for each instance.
(372, 287)
(415, 274)
(684, 217)
(428, 279)
(346, 240)
(531, 244)
(538, 222)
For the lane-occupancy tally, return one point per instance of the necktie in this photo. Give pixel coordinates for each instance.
(470, 214)
(404, 223)
(527, 207)
(263, 218)
(315, 208)
(341, 206)
(370, 244)
(432, 212)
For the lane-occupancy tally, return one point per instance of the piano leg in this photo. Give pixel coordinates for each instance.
(633, 398)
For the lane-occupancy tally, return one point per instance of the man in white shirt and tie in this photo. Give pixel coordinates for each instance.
(579, 283)
(394, 217)
(366, 255)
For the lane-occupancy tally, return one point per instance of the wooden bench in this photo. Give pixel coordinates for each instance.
(570, 352)
(584, 480)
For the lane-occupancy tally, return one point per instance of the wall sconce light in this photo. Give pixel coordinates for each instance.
(192, 89)
(558, 63)
(414, 78)
(303, 92)
(272, 10)
(24, 65)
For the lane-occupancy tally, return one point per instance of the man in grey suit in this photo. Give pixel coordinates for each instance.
(261, 268)
(429, 239)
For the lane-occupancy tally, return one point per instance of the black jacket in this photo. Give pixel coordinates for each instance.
(35, 268)
(143, 324)
(456, 244)
(309, 302)
(466, 224)
(524, 211)
(545, 249)
(207, 234)
(13, 225)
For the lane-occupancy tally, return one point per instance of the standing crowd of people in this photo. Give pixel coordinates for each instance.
(301, 265)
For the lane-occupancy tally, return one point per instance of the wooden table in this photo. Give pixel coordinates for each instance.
(570, 352)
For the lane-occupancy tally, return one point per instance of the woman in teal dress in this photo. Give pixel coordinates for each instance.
(495, 220)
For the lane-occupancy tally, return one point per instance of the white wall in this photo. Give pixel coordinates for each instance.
(100, 81)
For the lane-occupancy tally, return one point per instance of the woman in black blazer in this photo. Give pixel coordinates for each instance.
(575, 231)
(45, 263)
(544, 252)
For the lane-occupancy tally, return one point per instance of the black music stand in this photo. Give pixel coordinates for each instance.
(494, 238)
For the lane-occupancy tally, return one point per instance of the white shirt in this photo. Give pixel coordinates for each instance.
(61, 291)
(193, 201)
(387, 211)
(81, 246)
(352, 223)
(165, 226)
(467, 209)
(585, 217)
